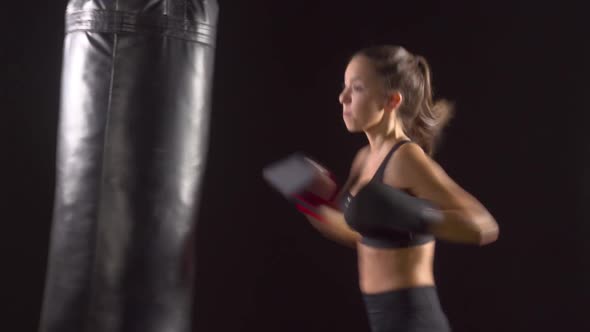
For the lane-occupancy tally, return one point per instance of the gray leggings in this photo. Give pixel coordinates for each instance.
(406, 310)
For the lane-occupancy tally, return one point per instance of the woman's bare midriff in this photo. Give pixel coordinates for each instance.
(382, 270)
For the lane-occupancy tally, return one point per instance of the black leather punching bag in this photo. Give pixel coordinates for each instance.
(133, 134)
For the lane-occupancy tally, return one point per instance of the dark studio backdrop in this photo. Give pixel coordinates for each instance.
(519, 142)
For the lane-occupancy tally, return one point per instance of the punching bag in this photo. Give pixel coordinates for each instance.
(132, 140)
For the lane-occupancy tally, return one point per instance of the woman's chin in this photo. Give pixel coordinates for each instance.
(349, 125)
(352, 129)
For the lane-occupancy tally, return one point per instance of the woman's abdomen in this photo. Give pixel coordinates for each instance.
(382, 270)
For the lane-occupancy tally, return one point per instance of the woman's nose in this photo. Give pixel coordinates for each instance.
(344, 97)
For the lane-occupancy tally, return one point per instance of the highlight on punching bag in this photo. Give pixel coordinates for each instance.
(132, 141)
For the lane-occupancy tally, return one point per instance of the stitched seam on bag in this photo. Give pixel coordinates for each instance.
(117, 21)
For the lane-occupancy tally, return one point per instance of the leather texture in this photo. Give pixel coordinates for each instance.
(132, 146)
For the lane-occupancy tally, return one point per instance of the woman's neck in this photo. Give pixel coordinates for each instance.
(382, 135)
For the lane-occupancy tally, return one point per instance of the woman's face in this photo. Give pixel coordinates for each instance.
(363, 97)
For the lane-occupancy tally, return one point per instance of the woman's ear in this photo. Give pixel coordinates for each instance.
(394, 100)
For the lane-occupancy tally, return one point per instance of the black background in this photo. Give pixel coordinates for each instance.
(517, 72)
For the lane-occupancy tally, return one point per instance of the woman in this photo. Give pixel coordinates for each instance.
(387, 94)
(396, 200)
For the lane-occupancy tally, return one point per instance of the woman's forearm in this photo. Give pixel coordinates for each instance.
(466, 226)
(334, 227)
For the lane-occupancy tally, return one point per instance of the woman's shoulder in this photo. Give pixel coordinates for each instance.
(408, 156)
(407, 161)
(412, 167)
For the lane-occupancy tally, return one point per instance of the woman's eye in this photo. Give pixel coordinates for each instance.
(354, 87)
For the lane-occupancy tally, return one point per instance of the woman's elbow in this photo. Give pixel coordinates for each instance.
(488, 230)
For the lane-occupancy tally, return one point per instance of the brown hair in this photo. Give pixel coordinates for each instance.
(423, 119)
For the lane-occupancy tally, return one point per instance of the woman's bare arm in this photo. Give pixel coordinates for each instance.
(465, 220)
(333, 226)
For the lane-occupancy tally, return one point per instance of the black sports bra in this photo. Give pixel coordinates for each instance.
(391, 239)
